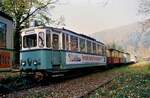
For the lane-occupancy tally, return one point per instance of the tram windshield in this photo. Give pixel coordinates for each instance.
(30, 41)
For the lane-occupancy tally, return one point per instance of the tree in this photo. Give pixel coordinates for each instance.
(116, 46)
(144, 7)
(23, 10)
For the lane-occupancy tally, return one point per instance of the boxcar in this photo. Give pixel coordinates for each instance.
(51, 49)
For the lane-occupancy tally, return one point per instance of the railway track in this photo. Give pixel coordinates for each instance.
(72, 86)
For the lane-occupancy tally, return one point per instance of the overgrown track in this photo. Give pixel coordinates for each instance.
(17, 83)
(76, 83)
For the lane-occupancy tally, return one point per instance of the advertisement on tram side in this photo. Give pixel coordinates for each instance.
(77, 58)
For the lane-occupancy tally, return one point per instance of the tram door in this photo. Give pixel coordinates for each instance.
(55, 50)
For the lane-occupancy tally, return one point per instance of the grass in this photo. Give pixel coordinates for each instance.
(8, 74)
(134, 82)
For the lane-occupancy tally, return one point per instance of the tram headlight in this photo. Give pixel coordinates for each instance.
(23, 63)
(35, 62)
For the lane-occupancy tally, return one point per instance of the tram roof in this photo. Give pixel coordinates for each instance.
(82, 35)
(62, 29)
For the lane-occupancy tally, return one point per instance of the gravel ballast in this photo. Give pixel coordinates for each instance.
(72, 88)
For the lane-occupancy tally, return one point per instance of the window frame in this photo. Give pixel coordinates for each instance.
(28, 35)
(78, 50)
(89, 47)
(5, 35)
(41, 39)
(53, 33)
(49, 32)
(84, 48)
(72, 41)
(94, 48)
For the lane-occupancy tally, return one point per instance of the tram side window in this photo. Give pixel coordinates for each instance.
(82, 45)
(116, 54)
(48, 39)
(55, 42)
(119, 54)
(74, 43)
(89, 50)
(67, 42)
(113, 53)
(108, 53)
(94, 48)
(99, 49)
(104, 50)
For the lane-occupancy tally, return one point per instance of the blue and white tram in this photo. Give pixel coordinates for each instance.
(55, 49)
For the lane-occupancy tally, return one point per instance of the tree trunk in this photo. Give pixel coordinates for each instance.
(17, 43)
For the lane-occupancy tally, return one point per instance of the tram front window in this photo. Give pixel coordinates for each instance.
(30, 41)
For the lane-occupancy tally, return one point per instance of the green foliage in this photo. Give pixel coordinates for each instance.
(128, 86)
(133, 83)
(22, 11)
(142, 67)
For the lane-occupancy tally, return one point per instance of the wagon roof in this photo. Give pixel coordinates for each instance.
(5, 16)
(112, 49)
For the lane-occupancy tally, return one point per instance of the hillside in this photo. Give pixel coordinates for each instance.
(134, 38)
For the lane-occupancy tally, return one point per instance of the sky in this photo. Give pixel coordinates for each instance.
(90, 16)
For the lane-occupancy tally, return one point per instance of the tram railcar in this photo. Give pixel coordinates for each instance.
(133, 59)
(126, 58)
(51, 49)
(116, 57)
